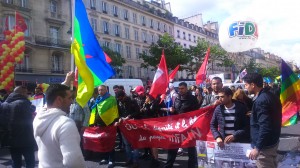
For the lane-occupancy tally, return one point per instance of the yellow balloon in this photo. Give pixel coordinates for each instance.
(5, 67)
(4, 83)
(5, 53)
(12, 75)
(2, 71)
(8, 79)
(9, 64)
(17, 59)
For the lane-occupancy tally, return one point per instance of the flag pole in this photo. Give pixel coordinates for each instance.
(72, 26)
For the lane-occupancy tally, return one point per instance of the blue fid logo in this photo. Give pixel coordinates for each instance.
(243, 29)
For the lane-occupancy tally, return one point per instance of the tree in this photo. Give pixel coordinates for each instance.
(197, 54)
(252, 66)
(117, 60)
(174, 53)
(271, 72)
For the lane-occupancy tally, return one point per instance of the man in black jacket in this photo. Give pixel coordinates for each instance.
(265, 122)
(184, 102)
(20, 125)
(229, 122)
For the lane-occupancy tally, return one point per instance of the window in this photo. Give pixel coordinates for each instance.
(184, 35)
(115, 11)
(137, 53)
(107, 44)
(93, 4)
(117, 30)
(57, 62)
(152, 38)
(130, 72)
(125, 14)
(104, 7)
(158, 26)
(136, 35)
(9, 1)
(11, 23)
(165, 28)
(151, 23)
(144, 20)
(146, 72)
(139, 72)
(127, 33)
(94, 24)
(170, 30)
(105, 27)
(195, 38)
(24, 65)
(23, 3)
(53, 6)
(189, 37)
(144, 37)
(134, 18)
(118, 48)
(128, 51)
(178, 33)
(54, 34)
(184, 45)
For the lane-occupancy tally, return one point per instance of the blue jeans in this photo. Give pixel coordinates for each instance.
(16, 156)
(132, 154)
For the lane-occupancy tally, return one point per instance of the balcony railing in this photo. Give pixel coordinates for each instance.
(47, 41)
(40, 70)
(22, 5)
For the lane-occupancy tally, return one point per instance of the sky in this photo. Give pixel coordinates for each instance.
(277, 20)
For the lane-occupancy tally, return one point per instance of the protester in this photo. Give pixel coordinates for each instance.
(56, 135)
(129, 109)
(105, 104)
(19, 117)
(38, 94)
(185, 102)
(229, 122)
(199, 95)
(241, 96)
(216, 85)
(265, 122)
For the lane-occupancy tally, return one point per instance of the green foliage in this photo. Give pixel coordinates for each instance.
(251, 67)
(271, 72)
(174, 53)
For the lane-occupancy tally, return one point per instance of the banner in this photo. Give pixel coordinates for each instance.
(177, 131)
(232, 155)
(99, 139)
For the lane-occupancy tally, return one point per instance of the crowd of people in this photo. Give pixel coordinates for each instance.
(250, 115)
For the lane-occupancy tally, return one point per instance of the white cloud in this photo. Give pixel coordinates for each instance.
(277, 20)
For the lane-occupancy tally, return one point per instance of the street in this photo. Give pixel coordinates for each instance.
(288, 150)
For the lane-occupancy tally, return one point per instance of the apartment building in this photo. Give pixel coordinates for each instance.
(47, 56)
(129, 27)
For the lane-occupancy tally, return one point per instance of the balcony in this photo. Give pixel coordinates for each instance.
(57, 71)
(28, 70)
(55, 17)
(17, 5)
(52, 42)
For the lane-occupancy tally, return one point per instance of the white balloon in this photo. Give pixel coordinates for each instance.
(238, 34)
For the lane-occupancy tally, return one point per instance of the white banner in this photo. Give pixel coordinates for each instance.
(232, 155)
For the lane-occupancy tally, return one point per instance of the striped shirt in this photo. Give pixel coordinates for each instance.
(229, 114)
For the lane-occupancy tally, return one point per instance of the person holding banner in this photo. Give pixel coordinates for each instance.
(265, 122)
(229, 122)
(184, 102)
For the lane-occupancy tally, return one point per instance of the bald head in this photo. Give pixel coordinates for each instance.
(21, 90)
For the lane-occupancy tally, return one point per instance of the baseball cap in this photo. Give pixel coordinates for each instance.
(139, 90)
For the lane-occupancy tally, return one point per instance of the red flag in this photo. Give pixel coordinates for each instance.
(161, 78)
(201, 75)
(20, 22)
(173, 73)
(107, 58)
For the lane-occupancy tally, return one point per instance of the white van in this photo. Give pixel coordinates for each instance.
(189, 84)
(127, 83)
(235, 85)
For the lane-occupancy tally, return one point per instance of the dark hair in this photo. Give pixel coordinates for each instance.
(116, 86)
(255, 78)
(227, 91)
(121, 87)
(55, 90)
(3, 91)
(39, 88)
(182, 84)
(120, 93)
(217, 78)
